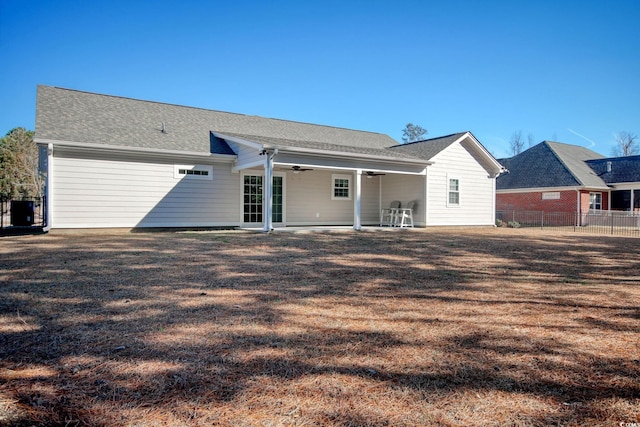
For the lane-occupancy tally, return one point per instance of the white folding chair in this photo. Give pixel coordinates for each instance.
(388, 216)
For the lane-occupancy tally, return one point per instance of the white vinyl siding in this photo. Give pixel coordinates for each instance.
(107, 193)
(405, 188)
(370, 200)
(309, 200)
(476, 189)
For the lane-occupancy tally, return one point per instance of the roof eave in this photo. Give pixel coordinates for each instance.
(319, 152)
(151, 152)
(331, 153)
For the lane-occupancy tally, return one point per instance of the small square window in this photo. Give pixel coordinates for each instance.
(341, 187)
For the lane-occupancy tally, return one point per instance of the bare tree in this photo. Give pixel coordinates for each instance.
(626, 144)
(530, 140)
(412, 133)
(516, 143)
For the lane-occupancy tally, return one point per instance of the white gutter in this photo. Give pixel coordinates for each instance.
(48, 190)
(126, 149)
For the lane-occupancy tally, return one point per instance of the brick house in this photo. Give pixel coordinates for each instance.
(557, 177)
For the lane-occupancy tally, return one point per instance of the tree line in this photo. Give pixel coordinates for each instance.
(19, 174)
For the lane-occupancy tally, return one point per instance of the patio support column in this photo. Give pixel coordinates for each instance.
(357, 223)
(268, 192)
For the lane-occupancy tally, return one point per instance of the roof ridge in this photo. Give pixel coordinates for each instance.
(210, 110)
(564, 164)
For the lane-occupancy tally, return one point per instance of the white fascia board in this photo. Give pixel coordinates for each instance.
(349, 169)
(482, 150)
(151, 152)
(243, 166)
(624, 185)
(341, 154)
(544, 189)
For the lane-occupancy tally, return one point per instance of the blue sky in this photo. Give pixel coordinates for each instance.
(559, 70)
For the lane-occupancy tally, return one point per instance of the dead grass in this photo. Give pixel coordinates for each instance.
(424, 327)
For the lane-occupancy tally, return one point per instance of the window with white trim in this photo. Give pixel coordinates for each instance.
(453, 191)
(595, 201)
(193, 172)
(341, 187)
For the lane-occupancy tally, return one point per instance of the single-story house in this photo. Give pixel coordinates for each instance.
(557, 177)
(121, 162)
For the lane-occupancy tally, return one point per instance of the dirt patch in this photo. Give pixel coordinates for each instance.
(394, 328)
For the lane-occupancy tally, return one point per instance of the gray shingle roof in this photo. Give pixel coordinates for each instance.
(428, 148)
(71, 115)
(550, 164)
(623, 169)
(315, 145)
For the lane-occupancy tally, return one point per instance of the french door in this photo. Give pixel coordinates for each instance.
(253, 200)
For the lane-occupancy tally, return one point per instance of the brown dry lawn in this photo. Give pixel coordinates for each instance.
(383, 328)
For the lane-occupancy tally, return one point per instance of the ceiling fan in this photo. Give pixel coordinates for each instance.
(297, 169)
(372, 174)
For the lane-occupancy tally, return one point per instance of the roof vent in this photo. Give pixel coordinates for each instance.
(609, 167)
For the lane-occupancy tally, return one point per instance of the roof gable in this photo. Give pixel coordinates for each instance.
(428, 149)
(549, 164)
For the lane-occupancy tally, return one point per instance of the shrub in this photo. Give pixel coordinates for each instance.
(513, 224)
(499, 222)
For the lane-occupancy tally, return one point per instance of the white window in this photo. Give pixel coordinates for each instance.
(453, 191)
(193, 172)
(551, 195)
(341, 187)
(595, 201)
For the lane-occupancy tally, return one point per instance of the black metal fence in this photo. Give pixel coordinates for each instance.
(23, 215)
(602, 222)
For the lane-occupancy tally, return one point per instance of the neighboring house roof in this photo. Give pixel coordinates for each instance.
(83, 117)
(617, 170)
(550, 164)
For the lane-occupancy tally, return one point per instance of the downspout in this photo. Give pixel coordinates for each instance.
(493, 201)
(426, 196)
(49, 189)
(357, 223)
